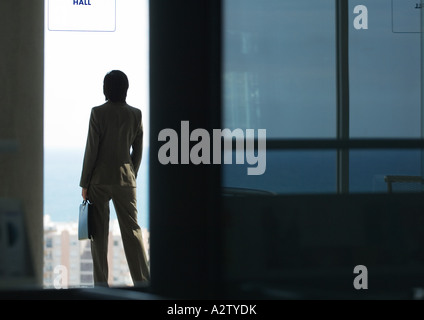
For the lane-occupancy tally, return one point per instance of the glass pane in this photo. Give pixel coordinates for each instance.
(385, 74)
(279, 75)
(287, 172)
(279, 67)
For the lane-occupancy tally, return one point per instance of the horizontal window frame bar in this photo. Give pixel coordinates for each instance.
(334, 144)
(339, 144)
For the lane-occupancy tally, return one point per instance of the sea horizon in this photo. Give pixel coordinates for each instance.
(62, 193)
(287, 172)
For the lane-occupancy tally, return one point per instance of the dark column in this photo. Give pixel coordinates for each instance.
(184, 199)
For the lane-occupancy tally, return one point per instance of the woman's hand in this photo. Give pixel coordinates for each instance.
(84, 194)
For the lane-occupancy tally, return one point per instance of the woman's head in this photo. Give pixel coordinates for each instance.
(115, 86)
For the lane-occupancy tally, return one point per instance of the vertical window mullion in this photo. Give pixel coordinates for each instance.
(422, 87)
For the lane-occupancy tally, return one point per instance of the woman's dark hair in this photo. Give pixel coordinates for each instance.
(115, 86)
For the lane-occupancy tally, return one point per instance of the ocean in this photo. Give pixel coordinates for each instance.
(62, 193)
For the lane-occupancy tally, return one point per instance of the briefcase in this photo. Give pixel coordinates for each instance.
(85, 225)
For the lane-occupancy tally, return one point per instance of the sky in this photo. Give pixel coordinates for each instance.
(77, 61)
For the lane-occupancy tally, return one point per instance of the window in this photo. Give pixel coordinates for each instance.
(49, 242)
(279, 75)
(385, 94)
(384, 69)
(346, 119)
(320, 76)
(85, 266)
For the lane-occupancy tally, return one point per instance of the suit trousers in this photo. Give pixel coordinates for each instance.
(125, 203)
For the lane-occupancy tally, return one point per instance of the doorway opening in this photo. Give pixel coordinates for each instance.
(83, 41)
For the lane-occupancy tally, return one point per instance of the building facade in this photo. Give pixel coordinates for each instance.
(68, 262)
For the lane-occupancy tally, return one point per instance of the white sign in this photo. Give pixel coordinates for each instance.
(82, 15)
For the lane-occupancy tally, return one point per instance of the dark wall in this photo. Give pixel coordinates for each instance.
(308, 246)
(21, 132)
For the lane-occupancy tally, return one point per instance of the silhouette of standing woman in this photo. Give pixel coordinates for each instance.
(112, 158)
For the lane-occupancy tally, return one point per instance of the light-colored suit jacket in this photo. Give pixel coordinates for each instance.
(114, 146)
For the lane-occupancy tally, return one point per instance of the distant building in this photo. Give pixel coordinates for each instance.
(68, 262)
